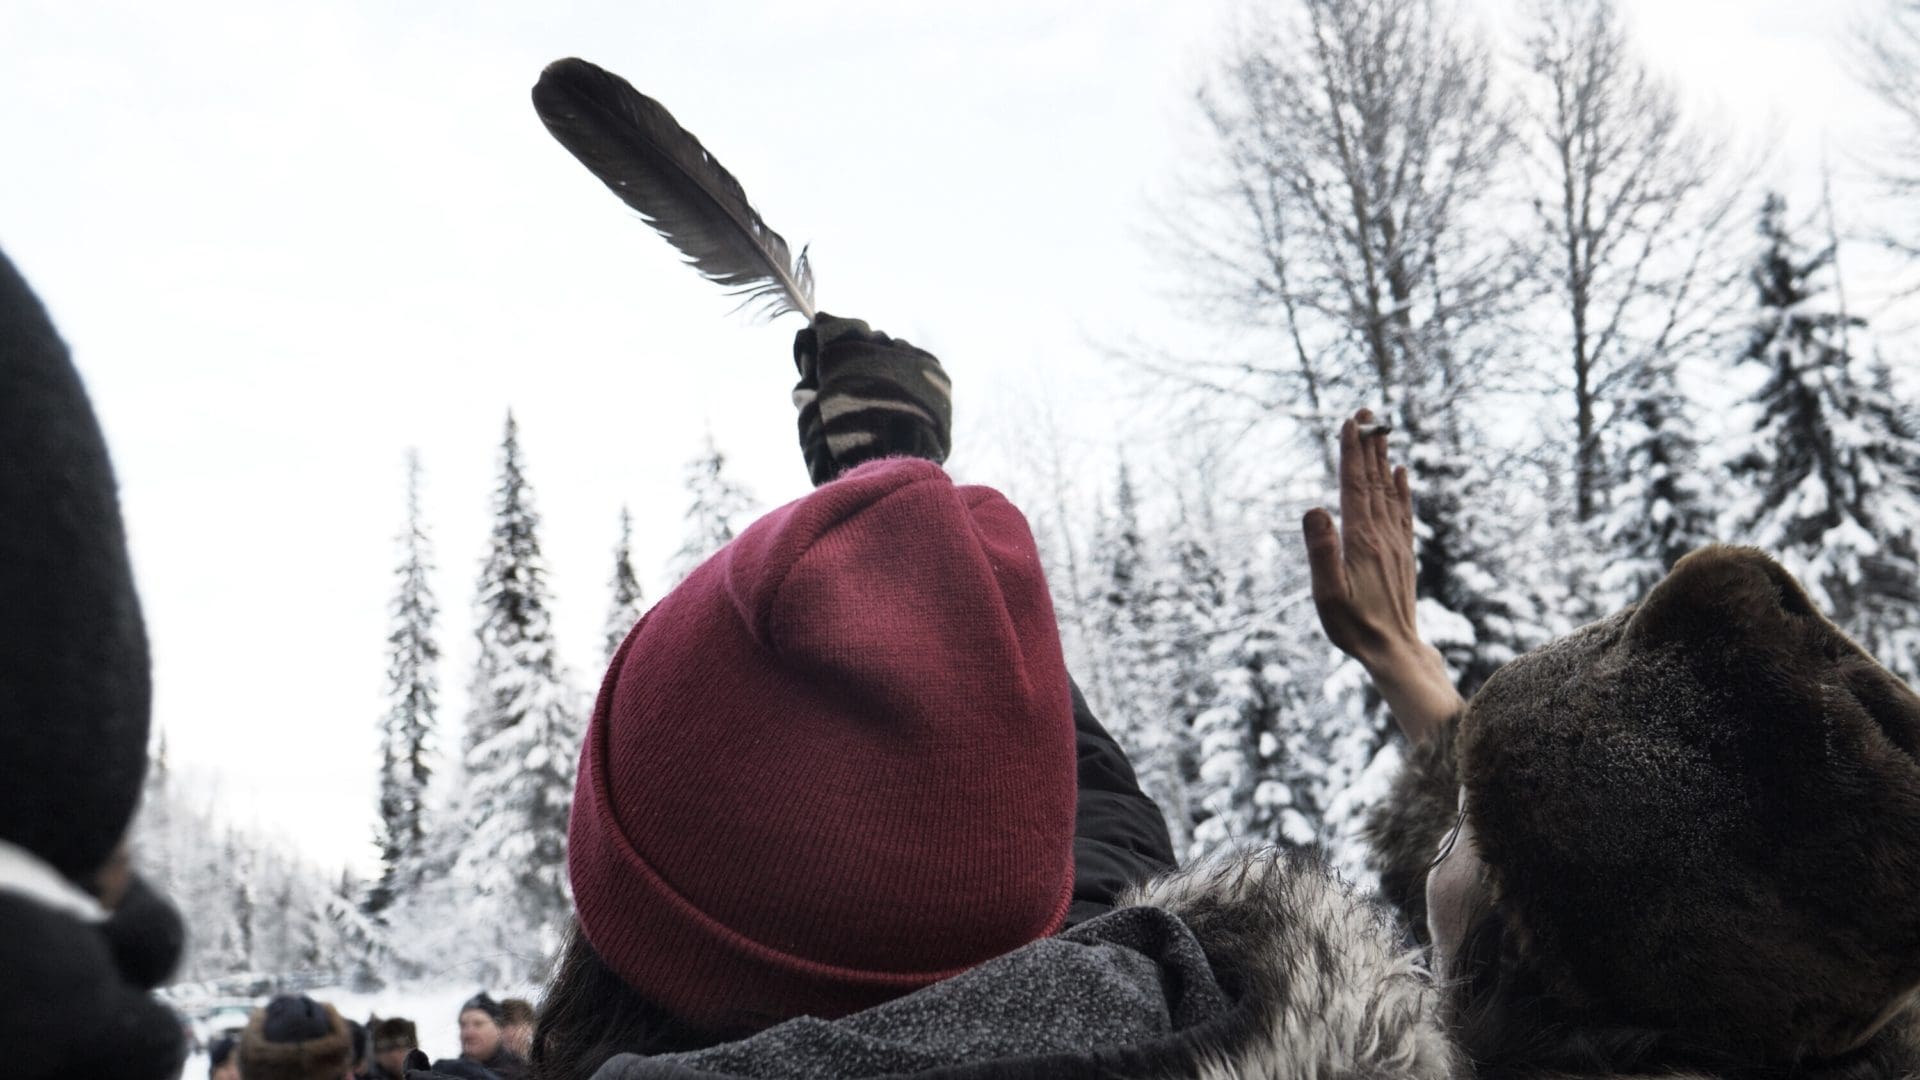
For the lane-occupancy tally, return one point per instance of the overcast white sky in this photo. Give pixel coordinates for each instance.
(289, 241)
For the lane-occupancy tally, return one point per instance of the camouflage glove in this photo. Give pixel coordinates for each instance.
(863, 395)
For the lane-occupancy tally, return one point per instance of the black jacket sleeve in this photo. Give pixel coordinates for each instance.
(1119, 836)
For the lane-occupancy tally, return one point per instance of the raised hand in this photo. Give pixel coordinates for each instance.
(863, 395)
(1363, 581)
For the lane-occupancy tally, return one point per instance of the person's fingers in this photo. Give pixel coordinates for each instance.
(1403, 497)
(1380, 490)
(1325, 568)
(1354, 507)
(1362, 420)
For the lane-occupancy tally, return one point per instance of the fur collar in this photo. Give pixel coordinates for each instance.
(1326, 986)
(320, 1058)
(1329, 991)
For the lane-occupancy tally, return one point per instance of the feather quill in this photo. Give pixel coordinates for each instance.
(635, 147)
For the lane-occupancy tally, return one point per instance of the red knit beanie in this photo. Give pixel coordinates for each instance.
(836, 764)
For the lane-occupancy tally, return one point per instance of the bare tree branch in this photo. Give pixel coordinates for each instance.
(1639, 205)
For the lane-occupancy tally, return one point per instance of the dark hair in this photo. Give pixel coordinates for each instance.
(221, 1049)
(1516, 1021)
(483, 1002)
(1509, 1020)
(356, 1042)
(589, 1014)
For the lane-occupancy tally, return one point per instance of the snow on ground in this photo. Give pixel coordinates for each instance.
(433, 1007)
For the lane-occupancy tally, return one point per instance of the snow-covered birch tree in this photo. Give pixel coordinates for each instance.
(1362, 150)
(1888, 50)
(1633, 216)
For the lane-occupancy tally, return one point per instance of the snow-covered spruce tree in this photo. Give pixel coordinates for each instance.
(233, 869)
(1189, 606)
(1888, 623)
(522, 743)
(155, 831)
(412, 694)
(1256, 766)
(717, 509)
(1130, 665)
(357, 944)
(1829, 470)
(628, 603)
(1661, 508)
(1479, 607)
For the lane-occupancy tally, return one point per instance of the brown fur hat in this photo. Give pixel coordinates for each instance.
(1703, 816)
(295, 1038)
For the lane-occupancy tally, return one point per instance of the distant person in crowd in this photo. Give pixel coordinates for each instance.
(516, 1031)
(394, 1039)
(223, 1058)
(357, 1050)
(82, 939)
(481, 1031)
(294, 1037)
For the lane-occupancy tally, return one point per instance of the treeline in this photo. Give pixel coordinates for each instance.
(257, 910)
(472, 817)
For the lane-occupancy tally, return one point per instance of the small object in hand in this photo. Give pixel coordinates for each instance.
(1367, 431)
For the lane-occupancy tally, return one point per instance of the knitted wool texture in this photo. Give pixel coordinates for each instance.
(836, 764)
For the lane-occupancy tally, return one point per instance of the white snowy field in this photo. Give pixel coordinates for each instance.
(433, 1007)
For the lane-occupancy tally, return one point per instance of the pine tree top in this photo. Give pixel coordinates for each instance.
(717, 508)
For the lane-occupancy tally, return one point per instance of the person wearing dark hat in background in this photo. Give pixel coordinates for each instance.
(223, 1059)
(82, 938)
(294, 1037)
(481, 1018)
(516, 1027)
(358, 1049)
(395, 1039)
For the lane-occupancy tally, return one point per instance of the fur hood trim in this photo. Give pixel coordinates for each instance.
(1327, 986)
(321, 1058)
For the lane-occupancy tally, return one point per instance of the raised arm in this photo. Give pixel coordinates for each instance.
(864, 395)
(1363, 582)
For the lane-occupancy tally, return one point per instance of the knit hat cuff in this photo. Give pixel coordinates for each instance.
(699, 969)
